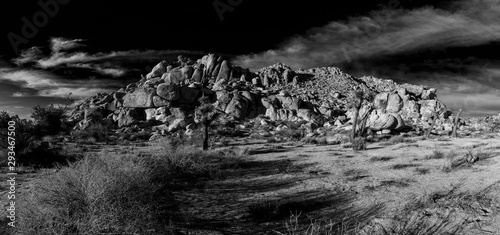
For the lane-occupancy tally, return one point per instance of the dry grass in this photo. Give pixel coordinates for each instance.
(118, 193)
(381, 159)
(456, 160)
(404, 166)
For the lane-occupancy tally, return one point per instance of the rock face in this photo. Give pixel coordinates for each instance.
(169, 94)
(140, 98)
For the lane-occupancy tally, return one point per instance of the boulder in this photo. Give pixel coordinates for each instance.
(158, 70)
(168, 91)
(162, 114)
(429, 94)
(179, 124)
(288, 102)
(237, 107)
(173, 76)
(224, 72)
(271, 113)
(142, 97)
(378, 122)
(150, 114)
(160, 102)
(153, 82)
(394, 103)
(414, 89)
(198, 74)
(187, 73)
(211, 62)
(305, 114)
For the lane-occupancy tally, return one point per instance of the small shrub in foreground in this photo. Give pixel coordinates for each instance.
(118, 193)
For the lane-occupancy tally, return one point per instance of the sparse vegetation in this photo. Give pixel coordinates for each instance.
(381, 159)
(436, 154)
(50, 120)
(455, 160)
(122, 193)
(403, 166)
(206, 114)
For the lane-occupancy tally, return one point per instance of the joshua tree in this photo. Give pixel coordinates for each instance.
(357, 102)
(434, 118)
(205, 114)
(455, 126)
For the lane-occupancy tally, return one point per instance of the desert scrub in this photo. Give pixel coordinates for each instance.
(455, 160)
(436, 154)
(118, 193)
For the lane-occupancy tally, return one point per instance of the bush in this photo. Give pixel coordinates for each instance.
(50, 120)
(129, 193)
(29, 148)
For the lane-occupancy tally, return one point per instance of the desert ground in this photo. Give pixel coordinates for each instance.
(403, 185)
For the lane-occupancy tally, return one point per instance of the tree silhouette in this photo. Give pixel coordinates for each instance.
(206, 114)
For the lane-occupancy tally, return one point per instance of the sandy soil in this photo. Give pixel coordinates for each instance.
(336, 182)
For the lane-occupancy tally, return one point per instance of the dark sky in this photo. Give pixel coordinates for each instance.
(98, 46)
(249, 26)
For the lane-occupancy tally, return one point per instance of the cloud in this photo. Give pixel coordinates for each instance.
(386, 32)
(62, 44)
(63, 52)
(49, 85)
(20, 94)
(114, 72)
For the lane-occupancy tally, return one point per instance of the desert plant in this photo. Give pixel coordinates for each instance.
(436, 154)
(431, 127)
(26, 135)
(120, 193)
(455, 126)
(50, 120)
(356, 102)
(206, 114)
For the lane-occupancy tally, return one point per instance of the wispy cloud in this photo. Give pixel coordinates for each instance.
(114, 72)
(374, 45)
(20, 94)
(385, 32)
(63, 44)
(50, 85)
(105, 63)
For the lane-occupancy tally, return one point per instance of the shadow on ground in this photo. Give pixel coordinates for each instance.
(242, 203)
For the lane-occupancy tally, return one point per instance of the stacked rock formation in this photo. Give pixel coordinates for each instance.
(164, 100)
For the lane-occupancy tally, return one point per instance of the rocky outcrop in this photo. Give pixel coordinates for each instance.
(168, 95)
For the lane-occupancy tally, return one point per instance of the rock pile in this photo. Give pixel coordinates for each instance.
(164, 100)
